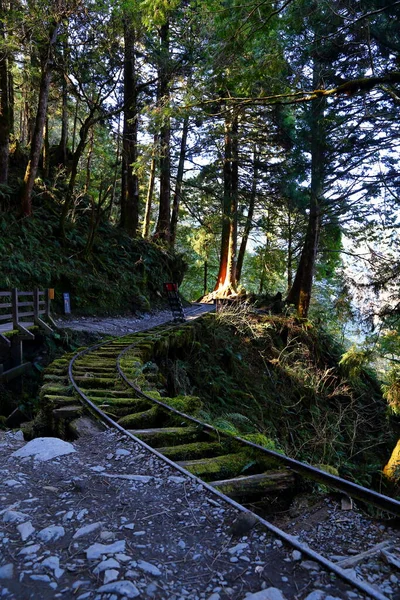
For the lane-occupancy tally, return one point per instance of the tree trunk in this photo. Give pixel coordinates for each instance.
(46, 151)
(83, 135)
(130, 184)
(150, 191)
(75, 127)
(226, 280)
(5, 101)
(290, 253)
(249, 220)
(37, 138)
(163, 222)
(179, 181)
(64, 112)
(300, 292)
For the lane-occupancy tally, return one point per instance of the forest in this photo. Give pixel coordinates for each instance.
(246, 147)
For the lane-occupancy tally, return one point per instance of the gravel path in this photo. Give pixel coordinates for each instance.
(110, 520)
(126, 324)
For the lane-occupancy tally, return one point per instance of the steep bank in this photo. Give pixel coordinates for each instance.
(116, 275)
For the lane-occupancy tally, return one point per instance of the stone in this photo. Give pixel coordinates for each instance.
(7, 571)
(34, 549)
(25, 530)
(176, 479)
(296, 555)
(110, 575)
(97, 550)
(51, 533)
(82, 531)
(44, 449)
(123, 588)
(267, 594)
(14, 516)
(315, 595)
(148, 568)
(110, 563)
(122, 452)
(238, 549)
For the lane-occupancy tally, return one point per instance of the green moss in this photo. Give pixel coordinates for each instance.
(141, 420)
(192, 450)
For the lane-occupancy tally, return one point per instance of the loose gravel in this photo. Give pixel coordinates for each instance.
(110, 520)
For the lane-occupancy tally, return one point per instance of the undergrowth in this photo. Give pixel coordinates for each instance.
(119, 274)
(282, 381)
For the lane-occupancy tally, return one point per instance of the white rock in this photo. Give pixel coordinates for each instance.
(110, 563)
(110, 575)
(44, 578)
(25, 530)
(238, 548)
(176, 479)
(296, 555)
(129, 526)
(14, 516)
(97, 550)
(68, 516)
(139, 478)
(148, 567)
(124, 588)
(7, 571)
(52, 562)
(44, 449)
(181, 544)
(122, 452)
(315, 595)
(214, 597)
(123, 557)
(51, 533)
(268, 594)
(12, 482)
(97, 469)
(82, 514)
(86, 530)
(34, 549)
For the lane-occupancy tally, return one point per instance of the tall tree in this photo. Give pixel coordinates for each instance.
(6, 92)
(130, 182)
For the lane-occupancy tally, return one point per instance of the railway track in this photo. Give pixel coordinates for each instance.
(115, 380)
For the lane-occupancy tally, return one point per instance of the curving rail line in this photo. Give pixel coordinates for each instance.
(198, 449)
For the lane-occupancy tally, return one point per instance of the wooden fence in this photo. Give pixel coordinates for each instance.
(20, 310)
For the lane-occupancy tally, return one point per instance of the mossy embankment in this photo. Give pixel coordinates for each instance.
(115, 275)
(276, 382)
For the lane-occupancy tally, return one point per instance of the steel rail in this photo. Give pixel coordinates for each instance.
(291, 540)
(354, 490)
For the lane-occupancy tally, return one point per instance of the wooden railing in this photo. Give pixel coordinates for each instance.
(20, 310)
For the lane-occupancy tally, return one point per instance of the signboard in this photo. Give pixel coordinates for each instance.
(67, 305)
(51, 293)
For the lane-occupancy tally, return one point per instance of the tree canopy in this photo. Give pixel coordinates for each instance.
(258, 138)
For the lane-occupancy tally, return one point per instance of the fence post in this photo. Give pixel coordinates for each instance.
(35, 305)
(14, 307)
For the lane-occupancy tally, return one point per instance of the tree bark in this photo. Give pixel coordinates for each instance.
(46, 150)
(64, 112)
(163, 223)
(249, 220)
(83, 135)
(5, 100)
(37, 138)
(300, 292)
(226, 279)
(130, 184)
(150, 190)
(179, 182)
